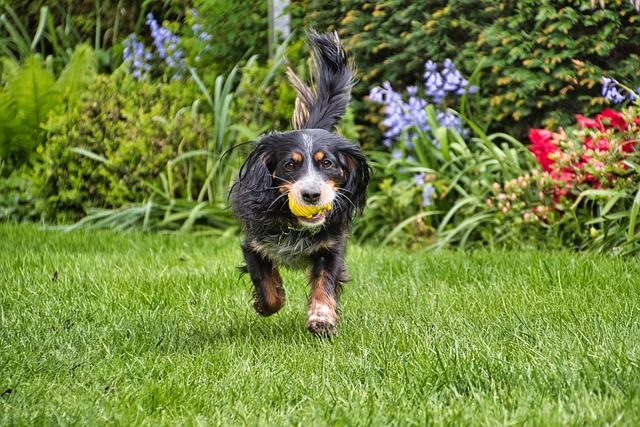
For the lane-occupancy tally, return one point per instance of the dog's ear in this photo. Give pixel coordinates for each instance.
(254, 187)
(357, 173)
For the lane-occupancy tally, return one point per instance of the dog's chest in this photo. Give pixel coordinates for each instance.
(294, 250)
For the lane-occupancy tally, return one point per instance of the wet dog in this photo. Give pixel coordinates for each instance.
(298, 191)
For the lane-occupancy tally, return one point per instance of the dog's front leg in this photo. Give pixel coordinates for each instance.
(268, 291)
(327, 274)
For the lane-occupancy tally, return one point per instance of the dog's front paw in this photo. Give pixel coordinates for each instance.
(266, 304)
(322, 328)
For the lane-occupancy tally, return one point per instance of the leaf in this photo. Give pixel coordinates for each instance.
(78, 74)
(90, 154)
(34, 93)
(633, 217)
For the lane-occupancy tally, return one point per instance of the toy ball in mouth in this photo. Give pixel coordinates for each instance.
(307, 211)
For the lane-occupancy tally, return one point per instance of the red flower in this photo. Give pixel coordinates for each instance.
(542, 146)
(602, 144)
(585, 122)
(628, 146)
(613, 119)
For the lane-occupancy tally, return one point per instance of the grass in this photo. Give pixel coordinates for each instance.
(137, 329)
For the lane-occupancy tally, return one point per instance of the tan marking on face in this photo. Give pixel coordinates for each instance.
(318, 156)
(285, 187)
(296, 157)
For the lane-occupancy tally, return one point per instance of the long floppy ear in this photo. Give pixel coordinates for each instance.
(254, 187)
(357, 175)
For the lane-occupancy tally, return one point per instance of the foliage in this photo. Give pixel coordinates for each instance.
(128, 131)
(433, 183)
(62, 25)
(30, 93)
(587, 188)
(266, 98)
(547, 51)
(239, 30)
(436, 191)
(17, 198)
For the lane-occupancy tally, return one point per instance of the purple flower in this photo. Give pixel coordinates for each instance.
(427, 195)
(448, 80)
(611, 91)
(135, 52)
(405, 119)
(166, 43)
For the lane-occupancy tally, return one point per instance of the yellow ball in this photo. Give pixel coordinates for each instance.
(306, 211)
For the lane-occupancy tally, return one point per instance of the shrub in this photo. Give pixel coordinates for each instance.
(29, 94)
(129, 130)
(17, 198)
(540, 60)
(585, 187)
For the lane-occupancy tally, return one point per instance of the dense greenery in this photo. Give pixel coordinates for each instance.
(104, 328)
(29, 94)
(540, 60)
(131, 135)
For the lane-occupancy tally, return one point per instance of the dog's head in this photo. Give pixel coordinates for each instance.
(309, 177)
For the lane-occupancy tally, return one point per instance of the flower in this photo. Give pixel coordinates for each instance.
(542, 146)
(401, 115)
(611, 91)
(427, 195)
(139, 57)
(595, 155)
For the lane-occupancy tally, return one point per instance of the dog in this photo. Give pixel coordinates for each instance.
(298, 191)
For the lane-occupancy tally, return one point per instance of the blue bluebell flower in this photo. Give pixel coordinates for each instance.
(611, 91)
(135, 52)
(427, 195)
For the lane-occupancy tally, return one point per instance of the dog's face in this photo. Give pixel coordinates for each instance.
(311, 171)
(311, 175)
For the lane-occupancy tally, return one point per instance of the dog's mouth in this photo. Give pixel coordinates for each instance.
(309, 215)
(315, 219)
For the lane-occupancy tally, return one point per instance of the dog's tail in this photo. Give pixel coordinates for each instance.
(333, 74)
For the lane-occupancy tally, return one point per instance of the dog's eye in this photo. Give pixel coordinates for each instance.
(289, 166)
(327, 163)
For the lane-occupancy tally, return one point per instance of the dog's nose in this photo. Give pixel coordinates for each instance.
(310, 196)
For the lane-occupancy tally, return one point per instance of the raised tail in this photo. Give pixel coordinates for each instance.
(333, 73)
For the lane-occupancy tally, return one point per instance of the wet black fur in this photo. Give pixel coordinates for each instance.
(273, 235)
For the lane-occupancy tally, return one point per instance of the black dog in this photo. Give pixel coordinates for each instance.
(320, 176)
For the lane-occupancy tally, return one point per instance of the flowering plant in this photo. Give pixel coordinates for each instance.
(408, 121)
(433, 184)
(585, 175)
(167, 54)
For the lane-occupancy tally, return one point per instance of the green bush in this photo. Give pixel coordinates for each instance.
(18, 198)
(29, 94)
(540, 60)
(113, 147)
(265, 98)
(238, 31)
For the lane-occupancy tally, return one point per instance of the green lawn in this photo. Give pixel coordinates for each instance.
(135, 329)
